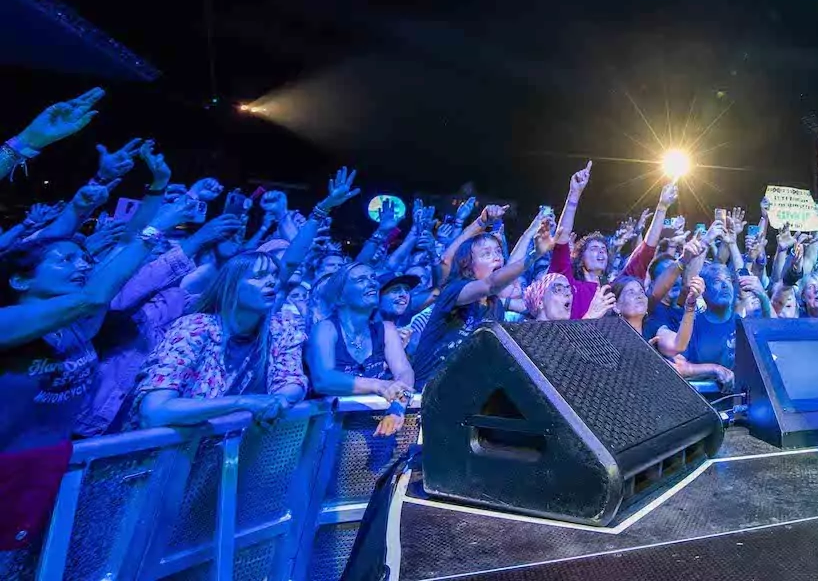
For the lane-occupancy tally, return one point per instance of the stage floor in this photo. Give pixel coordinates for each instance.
(749, 514)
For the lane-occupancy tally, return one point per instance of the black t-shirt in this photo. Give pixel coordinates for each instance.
(448, 326)
(663, 316)
(44, 384)
(713, 342)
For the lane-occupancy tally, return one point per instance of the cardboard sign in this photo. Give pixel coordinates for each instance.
(792, 205)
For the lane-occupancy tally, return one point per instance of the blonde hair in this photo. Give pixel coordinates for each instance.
(221, 299)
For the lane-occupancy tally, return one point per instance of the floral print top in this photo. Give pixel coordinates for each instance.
(191, 360)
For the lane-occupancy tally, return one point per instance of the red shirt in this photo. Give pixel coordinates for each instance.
(584, 290)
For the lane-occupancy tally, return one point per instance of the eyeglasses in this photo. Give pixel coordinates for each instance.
(559, 288)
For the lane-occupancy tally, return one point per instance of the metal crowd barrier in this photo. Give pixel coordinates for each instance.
(227, 500)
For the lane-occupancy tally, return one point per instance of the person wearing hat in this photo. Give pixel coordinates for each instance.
(396, 295)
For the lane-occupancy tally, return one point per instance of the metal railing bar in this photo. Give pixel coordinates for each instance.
(341, 513)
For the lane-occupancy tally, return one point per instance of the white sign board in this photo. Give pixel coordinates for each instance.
(793, 206)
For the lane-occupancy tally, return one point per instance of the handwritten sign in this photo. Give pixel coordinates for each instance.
(793, 206)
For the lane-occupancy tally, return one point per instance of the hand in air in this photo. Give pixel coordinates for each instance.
(117, 164)
(61, 120)
(579, 181)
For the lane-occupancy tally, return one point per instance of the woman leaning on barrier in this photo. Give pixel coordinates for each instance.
(350, 353)
(234, 355)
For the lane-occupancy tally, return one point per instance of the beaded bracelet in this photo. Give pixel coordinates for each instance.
(319, 214)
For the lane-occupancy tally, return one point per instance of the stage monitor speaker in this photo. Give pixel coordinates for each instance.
(776, 367)
(565, 420)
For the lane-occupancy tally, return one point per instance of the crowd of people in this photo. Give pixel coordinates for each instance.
(169, 312)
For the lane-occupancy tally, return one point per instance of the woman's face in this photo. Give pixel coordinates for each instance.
(256, 289)
(632, 301)
(299, 297)
(557, 300)
(487, 256)
(595, 256)
(395, 300)
(361, 290)
(785, 304)
(63, 270)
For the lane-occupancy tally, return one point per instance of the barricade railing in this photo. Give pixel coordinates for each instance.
(227, 500)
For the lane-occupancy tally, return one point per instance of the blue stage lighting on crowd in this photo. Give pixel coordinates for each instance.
(376, 203)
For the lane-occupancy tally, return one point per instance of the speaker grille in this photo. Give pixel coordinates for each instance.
(600, 369)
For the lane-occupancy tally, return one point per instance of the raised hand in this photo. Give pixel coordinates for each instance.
(669, 195)
(493, 213)
(218, 229)
(798, 257)
(692, 249)
(206, 189)
(754, 246)
(117, 164)
(626, 232)
(340, 189)
(174, 191)
(156, 164)
(785, 238)
(40, 215)
(91, 196)
(643, 219)
(678, 224)
(602, 303)
(388, 217)
(735, 221)
(694, 291)
(172, 215)
(751, 284)
(445, 234)
(544, 241)
(579, 181)
(465, 209)
(61, 120)
(715, 232)
(274, 203)
(105, 238)
(426, 242)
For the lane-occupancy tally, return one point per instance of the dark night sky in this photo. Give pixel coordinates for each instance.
(423, 96)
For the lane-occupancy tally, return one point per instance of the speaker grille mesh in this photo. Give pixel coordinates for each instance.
(599, 370)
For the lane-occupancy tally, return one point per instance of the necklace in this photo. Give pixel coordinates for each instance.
(355, 340)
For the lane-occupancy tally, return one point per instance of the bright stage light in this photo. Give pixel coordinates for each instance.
(244, 107)
(676, 164)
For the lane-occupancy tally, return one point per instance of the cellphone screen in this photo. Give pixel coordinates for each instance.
(753, 230)
(721, 214)
(237, 204)
(701, 227)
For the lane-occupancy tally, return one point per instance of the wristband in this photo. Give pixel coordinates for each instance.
(377, 237)
(458, 223)
(572, 204)
(151, 235)
(22, 149)
(319, 214)
(480, 222)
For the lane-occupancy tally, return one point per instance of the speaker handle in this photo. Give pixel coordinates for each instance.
(500, 423)
(506, 438)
